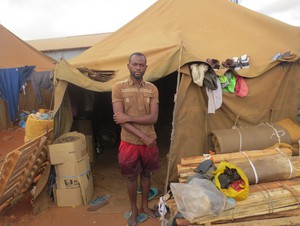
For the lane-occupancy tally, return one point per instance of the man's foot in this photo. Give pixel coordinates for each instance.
(131, 219)
(130, 223)
(151, 213)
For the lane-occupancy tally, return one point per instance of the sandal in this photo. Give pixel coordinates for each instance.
(152, 192)
(140, 218)
(98, 202)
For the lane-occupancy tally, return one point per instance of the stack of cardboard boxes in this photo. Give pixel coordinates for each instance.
(74, 181)
(85, 127)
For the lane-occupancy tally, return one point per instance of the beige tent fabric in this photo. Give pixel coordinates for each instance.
(173, 33)
(273, 96)
(205, 29)
(62, 110)
(17, 53)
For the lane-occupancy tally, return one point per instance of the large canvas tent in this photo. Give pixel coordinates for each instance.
(175, 33)
(16, 53)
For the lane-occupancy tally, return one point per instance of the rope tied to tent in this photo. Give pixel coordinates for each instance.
(178, 70)
(177, 88)
(174, 110)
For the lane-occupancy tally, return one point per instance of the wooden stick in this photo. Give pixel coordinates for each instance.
(234, 156)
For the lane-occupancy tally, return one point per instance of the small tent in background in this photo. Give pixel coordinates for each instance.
(173, 34)
(18, 62)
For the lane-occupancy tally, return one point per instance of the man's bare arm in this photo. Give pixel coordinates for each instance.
(121, 117)
(119, 108)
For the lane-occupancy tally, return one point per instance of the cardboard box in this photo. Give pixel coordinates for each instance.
(73, 181)
(69, 171)
(70, 147)
(76, 195)
(68, 197)
(85, 127)
(90, 147)
(88, 193)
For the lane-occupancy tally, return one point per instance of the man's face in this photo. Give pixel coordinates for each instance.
(137, 67)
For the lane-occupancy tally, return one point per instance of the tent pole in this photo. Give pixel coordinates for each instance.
(173, 120)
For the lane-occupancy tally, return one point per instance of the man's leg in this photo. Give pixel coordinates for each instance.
(132, 186)
(145, 185)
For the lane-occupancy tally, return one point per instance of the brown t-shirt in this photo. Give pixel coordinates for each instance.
(136, 101)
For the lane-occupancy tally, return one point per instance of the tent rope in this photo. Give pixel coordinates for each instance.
(173, 120)
(178, 70)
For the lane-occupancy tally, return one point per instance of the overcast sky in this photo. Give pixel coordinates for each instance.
(40, 19)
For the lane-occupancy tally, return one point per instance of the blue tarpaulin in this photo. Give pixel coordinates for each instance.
(11, 81)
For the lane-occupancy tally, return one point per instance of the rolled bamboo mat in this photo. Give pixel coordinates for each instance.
(249, 138)
(259, 166)
(292, 128)
(270, 168)
(235, 156)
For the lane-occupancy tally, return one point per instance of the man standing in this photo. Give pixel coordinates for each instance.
(135, 106)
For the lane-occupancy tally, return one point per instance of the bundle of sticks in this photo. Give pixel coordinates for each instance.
(264, 199)
(258, 165)
(273, 177)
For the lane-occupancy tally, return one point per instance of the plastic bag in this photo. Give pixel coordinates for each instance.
(36, 127)
(230, 192)
(198, 198)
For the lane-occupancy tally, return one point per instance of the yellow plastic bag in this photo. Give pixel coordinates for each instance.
(36, 127)
(231, 192)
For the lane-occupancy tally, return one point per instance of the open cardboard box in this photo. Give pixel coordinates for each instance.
(70, 147)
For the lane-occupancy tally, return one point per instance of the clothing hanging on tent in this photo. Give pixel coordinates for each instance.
(11, 81)
(40, 80)
(214, 97)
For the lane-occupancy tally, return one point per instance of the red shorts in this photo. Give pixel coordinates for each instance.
(133, 159)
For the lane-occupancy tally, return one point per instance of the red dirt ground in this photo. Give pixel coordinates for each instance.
(107, 180)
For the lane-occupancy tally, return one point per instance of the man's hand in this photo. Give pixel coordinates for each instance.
(148, 141)
(120, 118)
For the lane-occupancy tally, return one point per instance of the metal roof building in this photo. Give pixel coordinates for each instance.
(67, 47)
